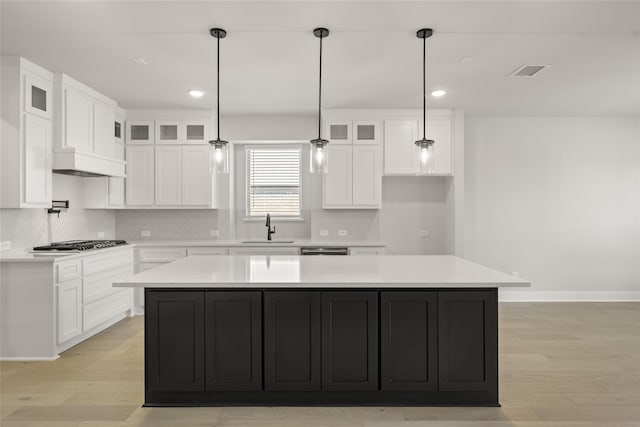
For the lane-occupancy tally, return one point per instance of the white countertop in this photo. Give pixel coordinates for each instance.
(238, 243)
(55, 256)
(283, 271)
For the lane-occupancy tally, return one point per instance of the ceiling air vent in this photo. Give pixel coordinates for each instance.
(528, 70)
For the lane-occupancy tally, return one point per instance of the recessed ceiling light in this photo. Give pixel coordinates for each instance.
(140, 61)
(196, 93)
(438, 93)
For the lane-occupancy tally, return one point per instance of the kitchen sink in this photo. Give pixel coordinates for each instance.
(267, 241)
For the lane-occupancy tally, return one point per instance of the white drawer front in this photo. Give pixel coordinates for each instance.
(101, 311)
(207, 251)
(100, 285)
(96, 264)
(264, 251)
(68, 270)
(366, 251)
(160, 254)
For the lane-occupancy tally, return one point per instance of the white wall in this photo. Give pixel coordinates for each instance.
(556, 199)
(26, 228)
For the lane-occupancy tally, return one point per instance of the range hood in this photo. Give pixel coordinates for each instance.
(80, 163)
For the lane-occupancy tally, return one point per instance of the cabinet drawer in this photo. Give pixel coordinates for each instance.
(207, 251)
(101, 311)
(160, 254)
(100, 286)
(68, 270)
(107, 262)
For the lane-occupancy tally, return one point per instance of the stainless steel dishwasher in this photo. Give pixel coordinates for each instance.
(324, 250)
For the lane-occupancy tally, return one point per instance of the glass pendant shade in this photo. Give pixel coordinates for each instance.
(219, 157)
(424, 154)
(318, 156)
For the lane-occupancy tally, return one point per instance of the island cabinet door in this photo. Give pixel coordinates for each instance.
(468, 340)
(349, 340)
(292, 340)
(233, 340)
(409, 347)
(174, 340)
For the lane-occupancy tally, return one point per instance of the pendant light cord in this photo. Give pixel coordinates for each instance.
(320, 91)
(424, 88)
(218, 89)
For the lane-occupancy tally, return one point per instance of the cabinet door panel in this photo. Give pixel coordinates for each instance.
(78, 121)
(468, 340)
(399, 147)
(367, 132)
(292, 340)
(338, 132)
(439, 130)
(69, 305)
(37, 159)
(350, 340)
(116, 192)
(37, 95)
(409, 327)
(233, 340)
(337, 182)
(140, 132)
(140, 175)
(367, 176)
(168, 174)
(103, 119)
(174, 323)
(196, 177)
(168, 132)
(196, 131)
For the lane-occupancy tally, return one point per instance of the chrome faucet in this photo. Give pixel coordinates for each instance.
(269, 230)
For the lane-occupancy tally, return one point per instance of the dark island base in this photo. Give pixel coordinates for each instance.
(321, 347)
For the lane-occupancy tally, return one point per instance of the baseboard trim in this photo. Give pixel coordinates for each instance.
(521, 295)
(29, 359)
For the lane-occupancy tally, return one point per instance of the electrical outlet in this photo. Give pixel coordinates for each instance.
(423, 233)
(100, 234)
(5, 246)
(514, 273)
(145, 233)
(214, 233)
(324, 233)
(342, 233)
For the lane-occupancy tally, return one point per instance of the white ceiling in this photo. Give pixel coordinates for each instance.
(372, 57)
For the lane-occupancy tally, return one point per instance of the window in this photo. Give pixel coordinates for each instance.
(273, 182)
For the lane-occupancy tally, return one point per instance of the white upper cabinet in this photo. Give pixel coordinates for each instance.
(196, 177)
(338, 131)
(168, 175)
(78, 120)
(37, 160)
(399, 147)
(400, 150)
(168, 132)
(26, 134)
(367, 132)
(337, 183)
(104, 117)
(196, 132)
(367, 176)
(38, 94)
(140, 176)
(140, 132)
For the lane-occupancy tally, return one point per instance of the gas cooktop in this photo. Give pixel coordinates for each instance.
(80, 245)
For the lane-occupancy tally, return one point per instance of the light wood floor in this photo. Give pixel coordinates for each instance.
(561, 364)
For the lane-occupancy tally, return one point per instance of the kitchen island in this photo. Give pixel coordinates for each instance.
(292, 330)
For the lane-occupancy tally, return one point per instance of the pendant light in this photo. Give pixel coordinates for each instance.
(424, 146)
(218, 148)
(318, 154)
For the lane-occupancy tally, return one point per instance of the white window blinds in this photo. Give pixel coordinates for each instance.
(273, 182)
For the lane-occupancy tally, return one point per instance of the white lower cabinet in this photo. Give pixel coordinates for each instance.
(69, 310)
(259, 250)
(366, 251)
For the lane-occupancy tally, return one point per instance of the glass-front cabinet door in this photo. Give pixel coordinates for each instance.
(367, 132)
(37, 95)
(140, 132)
(338, 132)
(168, 132)
(196, 132)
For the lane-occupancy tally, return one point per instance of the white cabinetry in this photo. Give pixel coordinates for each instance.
(399, 145)
(69, 310)
(197, 180)
(103, 193)
(355, 166)
(26, 132)
(140, 175)
(140, 132)
(168, 175)
(84, 130)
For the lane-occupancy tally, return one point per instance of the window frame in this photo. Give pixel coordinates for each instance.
(265, 146)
